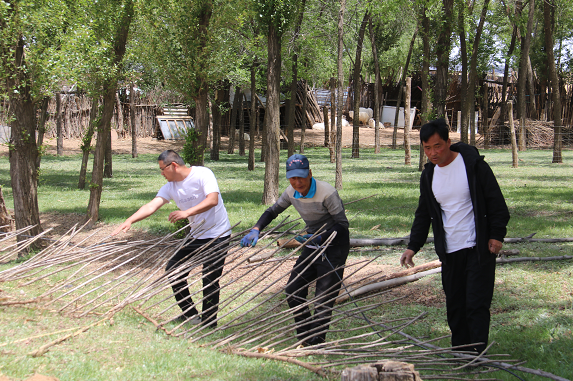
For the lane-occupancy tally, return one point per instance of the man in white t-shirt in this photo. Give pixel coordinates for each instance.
(461, 199)
(196, 193)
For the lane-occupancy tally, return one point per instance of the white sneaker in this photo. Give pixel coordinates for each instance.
(196, 319)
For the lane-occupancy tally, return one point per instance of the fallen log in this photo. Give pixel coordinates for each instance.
(420, 271)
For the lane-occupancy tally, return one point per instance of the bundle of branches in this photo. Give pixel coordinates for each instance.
(253, 320)
(313, 113)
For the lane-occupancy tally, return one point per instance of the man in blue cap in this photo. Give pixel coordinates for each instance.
(321, 208)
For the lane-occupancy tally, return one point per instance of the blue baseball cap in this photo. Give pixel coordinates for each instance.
(297, 166)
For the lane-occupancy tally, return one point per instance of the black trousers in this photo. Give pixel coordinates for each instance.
(468, 285)
(212, 269)
(328, 275)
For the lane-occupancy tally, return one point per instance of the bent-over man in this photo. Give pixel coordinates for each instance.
(196, 193)
(318, 203)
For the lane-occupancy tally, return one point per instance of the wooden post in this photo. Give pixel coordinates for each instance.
(513, 140)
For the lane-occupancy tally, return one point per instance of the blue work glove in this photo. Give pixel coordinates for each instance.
(250, 239)
(303, 238)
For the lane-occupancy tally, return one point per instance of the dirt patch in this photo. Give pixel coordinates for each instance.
(313, 138)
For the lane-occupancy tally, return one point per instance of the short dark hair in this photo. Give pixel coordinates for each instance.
(438, 126)
(169, 156)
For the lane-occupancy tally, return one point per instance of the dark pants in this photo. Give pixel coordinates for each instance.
(212, 270)
(328, 284)
(468, 284)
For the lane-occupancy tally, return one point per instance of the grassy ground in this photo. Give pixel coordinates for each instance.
(532, 311)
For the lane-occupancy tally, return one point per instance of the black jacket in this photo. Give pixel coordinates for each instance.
(490, 211)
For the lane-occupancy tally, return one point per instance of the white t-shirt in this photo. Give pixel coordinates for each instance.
(452, 191)
(191, 191)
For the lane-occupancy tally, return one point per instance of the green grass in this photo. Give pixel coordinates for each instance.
(532, 310)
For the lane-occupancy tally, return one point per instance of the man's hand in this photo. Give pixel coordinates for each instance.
(406, 259)
(125, 226)
(177, 215)
(303, 238)
(494, 246)
(251, 238)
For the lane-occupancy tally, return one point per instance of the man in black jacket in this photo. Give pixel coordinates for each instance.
(461, 199)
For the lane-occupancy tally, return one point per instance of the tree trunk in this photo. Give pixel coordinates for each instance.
(87, 143)
(473, 72)
(24, 153)
(376, 87)
(426, 91)
(407, 144)
(272, 116)
(253, 118)
(332, 139)
(464, 101)
(338, 176)
(522, 79)
(443, 59)
(304, 107)
(59, 133)
(132, 121)
(201, 123)
(242, 126)
(548, 8)
(107, 168)
(326, 126)
(5, 218)
(216, 113)
(503, 107)
(103, 127)
(234, 112)
(292, 106)
(358, 88)
(104, 124)
(402, 81)
(42, 126)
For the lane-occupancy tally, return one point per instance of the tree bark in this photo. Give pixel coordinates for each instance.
(332, 139)
(358, 88)
(464, 101)
(132, 121)
(338, 176)
(376, 87)
(407, 144)
(59, 134)
(443, 59)
(253, 119)
(304, 121)
(42, 126)
(216, 113)
(522, 80)
(503, 106)
(426, 108)
(272, 116)
(548, 8)
(104, 124)
(234, 112)
(473, 72)
(400, 91)
(5, 218)
(242, 126)
(87, 143)
(23, 154)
